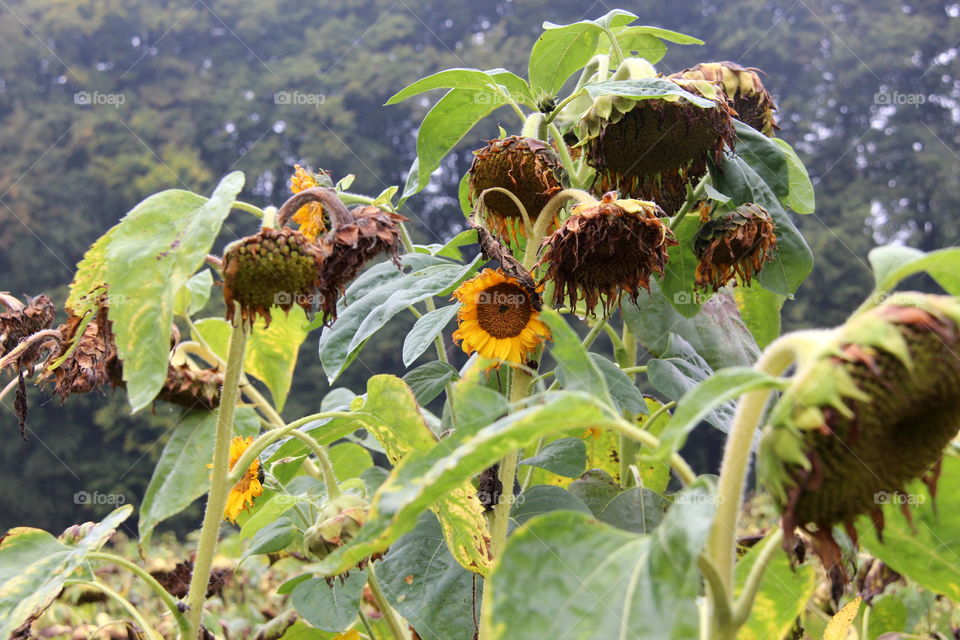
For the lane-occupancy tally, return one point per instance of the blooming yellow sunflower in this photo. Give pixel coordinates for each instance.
(249, 486)
(309, 216)
(497, 318)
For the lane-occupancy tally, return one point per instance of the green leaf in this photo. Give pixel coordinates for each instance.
(611, 583)
(679, 275)
(151, 254)
(800, 197)
(90, 277)
(793, 260)
(194, 295)
(893, 264)
(181, 475)
(576, 371)
(765, 157)
(423, 477)
(888, 614)
(626, 396)
(271, 354)
(560, 52)
(699, 402)
(34, 566)
(349, 460)
(378, 299)
(428, 380)
(427, 586)
(272, 538)
(565, 457)
(459, 78)
(667, 34)
(330, 607)
(781, 599)
(269, 511)
(646, 89)
(596, 489)
(544, 498)
(635, 41)
(475, 405)
(654, 473)
(760, 312)
(427, 327)
(639, 510)
(927, 550)
(456, 113)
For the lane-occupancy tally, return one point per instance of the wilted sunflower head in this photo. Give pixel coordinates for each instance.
(526, 167)
(872, 409)
(192, 388)
(651, 149)
(92, 360)
(499, 317)
(602, 250)
(311, 217)
(22, 320)
(742, 85)
(273, 267)
(249, 486)
(737, 244)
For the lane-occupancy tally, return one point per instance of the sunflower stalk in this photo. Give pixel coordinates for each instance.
(127, 606)
(626, 360)
(219, 481)
(326, 467)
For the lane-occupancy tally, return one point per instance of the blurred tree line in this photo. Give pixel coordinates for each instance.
(103, 102)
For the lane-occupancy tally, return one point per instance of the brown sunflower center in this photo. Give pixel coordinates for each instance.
(503, 310)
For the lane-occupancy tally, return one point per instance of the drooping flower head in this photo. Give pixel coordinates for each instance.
(735, 245)
(603, 250)
(192, 388)
(871, 410)
(742, 85)
(499, 317)
(651, 149)
(89, 353)
(21, 320)
(311, 216)
(526, 167)
(248, 487)
(339, 521)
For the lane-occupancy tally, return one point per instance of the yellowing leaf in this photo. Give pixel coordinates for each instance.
(839, 625)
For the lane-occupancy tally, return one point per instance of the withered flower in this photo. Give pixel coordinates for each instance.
(192, 388)
(526, 167)
(92, 361)
(22, 320)
(603, 250)
(871, 410)
(737, 244)
(742, 85)
(651, 149)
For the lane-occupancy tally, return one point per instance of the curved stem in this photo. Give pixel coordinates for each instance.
(535, 126)
(249, 208)
(560, 105)
(564, 152)
(123, 602)
(741, 610)
(631, 370)
(389, 615)
(615, 50)
(326, 467)
(168, 600)
(338, 212)
(516, 201)
(594, 331)
(721, 615)
(219, 480)
(647, 439)
(260, 402)
(690, 203)
(546, 217)
(51, 335)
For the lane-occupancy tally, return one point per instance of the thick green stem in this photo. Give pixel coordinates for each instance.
(219, 480)
(535, 126)
(249, 208)
(626, 356)
(168, 600)
(616, 52)
(741, 610)
(389, 615)
(560, 105)
(326, 467)
(690, 202)
(647, 439)
(123, 602)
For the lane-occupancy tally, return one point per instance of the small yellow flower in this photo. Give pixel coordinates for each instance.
(497, 318)
(249, 486)
(309, 216)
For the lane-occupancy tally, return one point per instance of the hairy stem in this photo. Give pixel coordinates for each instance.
(326, 467)
(389, 615)
(741, 610)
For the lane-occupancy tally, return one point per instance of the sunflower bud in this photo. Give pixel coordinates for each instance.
(192, 388)
(737, 244)
(22, 320)
(604, 249)
(873, 409)
(339, 521)
(651, 149)
(274, 267)
(742, 85)
(526, 167)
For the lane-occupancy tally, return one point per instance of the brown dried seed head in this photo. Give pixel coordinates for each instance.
(93, 361)
(742, 85)
(606, 249)
(22, 320)
(192, 388)
(737, 244)
(526, 167)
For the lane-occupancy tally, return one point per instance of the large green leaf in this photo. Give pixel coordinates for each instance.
(894, 263)
(378, 299)
(765, 157)
(181, 475)
(760, 312)
(679, 275)
(151, 254)
(793, 259)
(34, 565)
(575, 369)
(427, 327)
(639, 510)
(610, 583)
(424, 477)
(559, 53)
(329, 606)
(427, 586)
(544, 498)
(782, 597)
(194, 295)
(461, 78)
(626, 396)
(926, 550)
(428, 380)
(271, 354)
(645, 89)
(564, 457)
(800, 197)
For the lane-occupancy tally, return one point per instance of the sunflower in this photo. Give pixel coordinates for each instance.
(601, 250)
(249, 487)
(499, 318)
(737, 244)
(310, 216)
(742, 85)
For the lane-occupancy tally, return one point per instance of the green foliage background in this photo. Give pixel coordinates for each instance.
(200, 83)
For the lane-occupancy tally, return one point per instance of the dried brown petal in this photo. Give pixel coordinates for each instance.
(21, 320)
(735, 245)
(192, 388)
(743, 87)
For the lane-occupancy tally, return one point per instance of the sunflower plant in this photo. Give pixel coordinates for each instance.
(626, 252)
